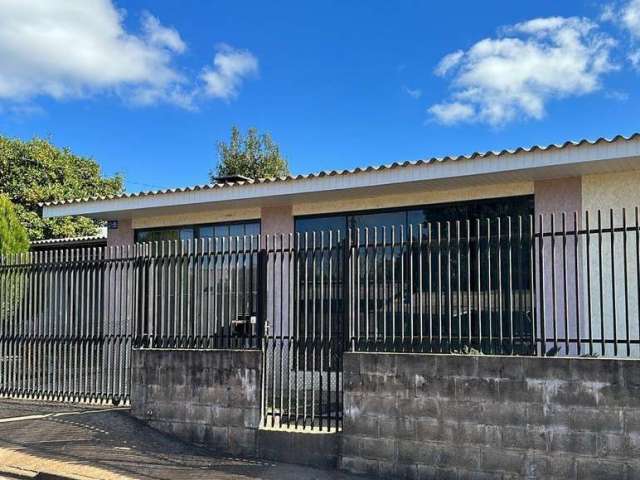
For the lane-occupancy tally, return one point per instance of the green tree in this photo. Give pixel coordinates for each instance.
(13, 236)
(253, 155)
(36, 171)
(13, 239)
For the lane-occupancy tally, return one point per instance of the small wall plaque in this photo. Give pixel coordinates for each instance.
(112, 224)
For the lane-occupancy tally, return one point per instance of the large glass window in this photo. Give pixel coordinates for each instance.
(460, 279)
(198, 231)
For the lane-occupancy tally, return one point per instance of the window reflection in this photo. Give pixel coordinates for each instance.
(199, 231)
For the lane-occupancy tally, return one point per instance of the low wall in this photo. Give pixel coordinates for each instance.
(437, 416)
(207, 397)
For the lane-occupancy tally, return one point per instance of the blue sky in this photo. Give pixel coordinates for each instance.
(147, 88)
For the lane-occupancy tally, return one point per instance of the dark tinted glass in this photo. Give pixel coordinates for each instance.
(321, 224)
(200, 231)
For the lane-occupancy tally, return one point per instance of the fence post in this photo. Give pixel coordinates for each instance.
(263, 257)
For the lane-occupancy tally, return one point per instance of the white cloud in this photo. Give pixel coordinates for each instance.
(230, 68)
(448, 62)
(514, 75)
(412, 92)
(626, 15)
(453, 112)
(161, 36)
(66, 49)
(74, 48)
(630, 17)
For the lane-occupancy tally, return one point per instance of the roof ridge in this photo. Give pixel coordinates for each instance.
(352, 171)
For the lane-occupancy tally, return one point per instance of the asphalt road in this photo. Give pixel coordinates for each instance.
(62, 441)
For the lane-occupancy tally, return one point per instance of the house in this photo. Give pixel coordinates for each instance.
(586, 282)
(224, 345)
(572, 177)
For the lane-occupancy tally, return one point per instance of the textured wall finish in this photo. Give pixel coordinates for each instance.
(123, 235)
(206, 397)
(438, 416)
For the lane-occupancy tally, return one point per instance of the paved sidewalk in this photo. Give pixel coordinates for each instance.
(88, 443)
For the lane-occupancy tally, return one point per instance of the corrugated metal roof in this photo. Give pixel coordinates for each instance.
(354, 171)
(57, 241)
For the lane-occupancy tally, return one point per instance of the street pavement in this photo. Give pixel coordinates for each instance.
(48, 441)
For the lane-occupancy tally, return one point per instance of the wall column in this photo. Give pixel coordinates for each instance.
(555, 197)
(276, 220)
(123, 235)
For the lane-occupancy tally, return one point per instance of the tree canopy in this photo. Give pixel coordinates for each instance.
(13, 236)
(254, 156)
(37, 171)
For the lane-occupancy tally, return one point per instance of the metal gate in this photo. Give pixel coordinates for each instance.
(66, 326)
(303, 338)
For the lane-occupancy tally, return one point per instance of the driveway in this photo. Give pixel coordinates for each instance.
(62, 441)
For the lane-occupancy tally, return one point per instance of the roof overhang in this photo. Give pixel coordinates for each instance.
(523, 165)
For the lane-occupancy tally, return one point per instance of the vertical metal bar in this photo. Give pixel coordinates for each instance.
(626, 280)
(613, 284)
(553, 282)
(541, 294)
(469, 306)
(565, 300)
(479, 283)
(393, 285)
(588, 248)
(576, 230)
(449, 307)
(420, 285)
(366, 287)
(500, 306)
(439, 297)
(489, 289)
(602, 334)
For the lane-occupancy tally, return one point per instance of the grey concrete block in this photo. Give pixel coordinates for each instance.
(429, 472)
(597, 468)
(397, 470)
(441, 387)
(217, 438)
(358, 465)
(611, 444)
(365, 425)
(456, 366)
(503, 460)
(475, 389)
(524, 437)
(575, 393)
(596, 419)
(523, 391)
(631, 419)
(398, 427)
(501, 413)
(559, 466)
(437, 430)
(378, 448)
(242, 441)
(422, 406)
(571, 442)
(351, 363)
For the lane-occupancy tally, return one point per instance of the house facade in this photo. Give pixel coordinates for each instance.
(572, 177)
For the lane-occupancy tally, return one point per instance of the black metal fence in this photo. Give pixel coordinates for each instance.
(565, 284)
(65, 326)
(200, 294)
(558, 284)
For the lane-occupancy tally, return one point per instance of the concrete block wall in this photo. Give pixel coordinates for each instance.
(207, 397)
(436, 416)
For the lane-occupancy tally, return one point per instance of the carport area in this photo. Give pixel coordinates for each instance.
(63, 441)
